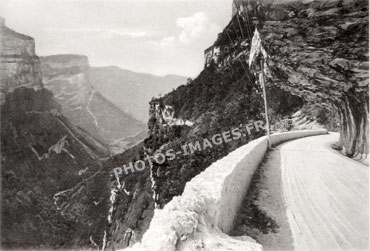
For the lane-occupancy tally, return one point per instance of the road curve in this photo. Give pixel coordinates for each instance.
(326, 196)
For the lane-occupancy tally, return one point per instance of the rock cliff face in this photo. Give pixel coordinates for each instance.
(68, 77)
(54, 192)
(318, 50)
(19, 64)
(216, 101)
(317, 60)
(320, 53)
(317, 56)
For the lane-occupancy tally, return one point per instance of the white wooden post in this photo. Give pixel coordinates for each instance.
(262, 80)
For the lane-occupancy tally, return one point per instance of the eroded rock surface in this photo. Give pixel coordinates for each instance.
(20, 66)
(318, 50)
(68, 77)
(53, 191)
(321, 55)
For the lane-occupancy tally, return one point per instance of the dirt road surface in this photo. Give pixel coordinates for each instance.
(327, 196)
(306, 196)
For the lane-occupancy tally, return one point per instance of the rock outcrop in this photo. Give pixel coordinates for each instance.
(68, 77)
(317, 57)
(318, 50)
(53, 191)
(320, 53)
(19, 65)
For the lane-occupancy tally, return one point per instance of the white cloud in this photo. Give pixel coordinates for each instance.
(195, 27)
(106, 32)
(167, 42)
(163, 43)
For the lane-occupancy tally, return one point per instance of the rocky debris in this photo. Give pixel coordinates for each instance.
(19, 65)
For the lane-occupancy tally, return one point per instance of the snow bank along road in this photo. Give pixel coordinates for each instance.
(326, 197)
(202, 217)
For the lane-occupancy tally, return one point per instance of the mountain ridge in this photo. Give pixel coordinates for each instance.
(51, 170)
(138, 88)
(67, 76)
(227, 94)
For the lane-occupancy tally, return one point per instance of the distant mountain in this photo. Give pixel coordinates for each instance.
(19, 65)
(54, 192)
(318, 63)
(67, 76)
(132, 91)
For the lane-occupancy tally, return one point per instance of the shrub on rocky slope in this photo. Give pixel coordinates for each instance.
(51, 177)
(318, 57)
(216, 101)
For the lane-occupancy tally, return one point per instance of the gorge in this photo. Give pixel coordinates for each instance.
(61, 117)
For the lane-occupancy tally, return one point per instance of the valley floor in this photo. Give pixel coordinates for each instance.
(306, 196)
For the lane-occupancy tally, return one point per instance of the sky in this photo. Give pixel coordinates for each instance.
(152, 36)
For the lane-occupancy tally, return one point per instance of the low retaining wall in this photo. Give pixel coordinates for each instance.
(236, 183)
(203, 215)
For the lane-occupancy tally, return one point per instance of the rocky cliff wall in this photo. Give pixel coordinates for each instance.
(53, 191)
(68, 77)
(226, 93)
(318, 50)
(320, 53)
(19, 64)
